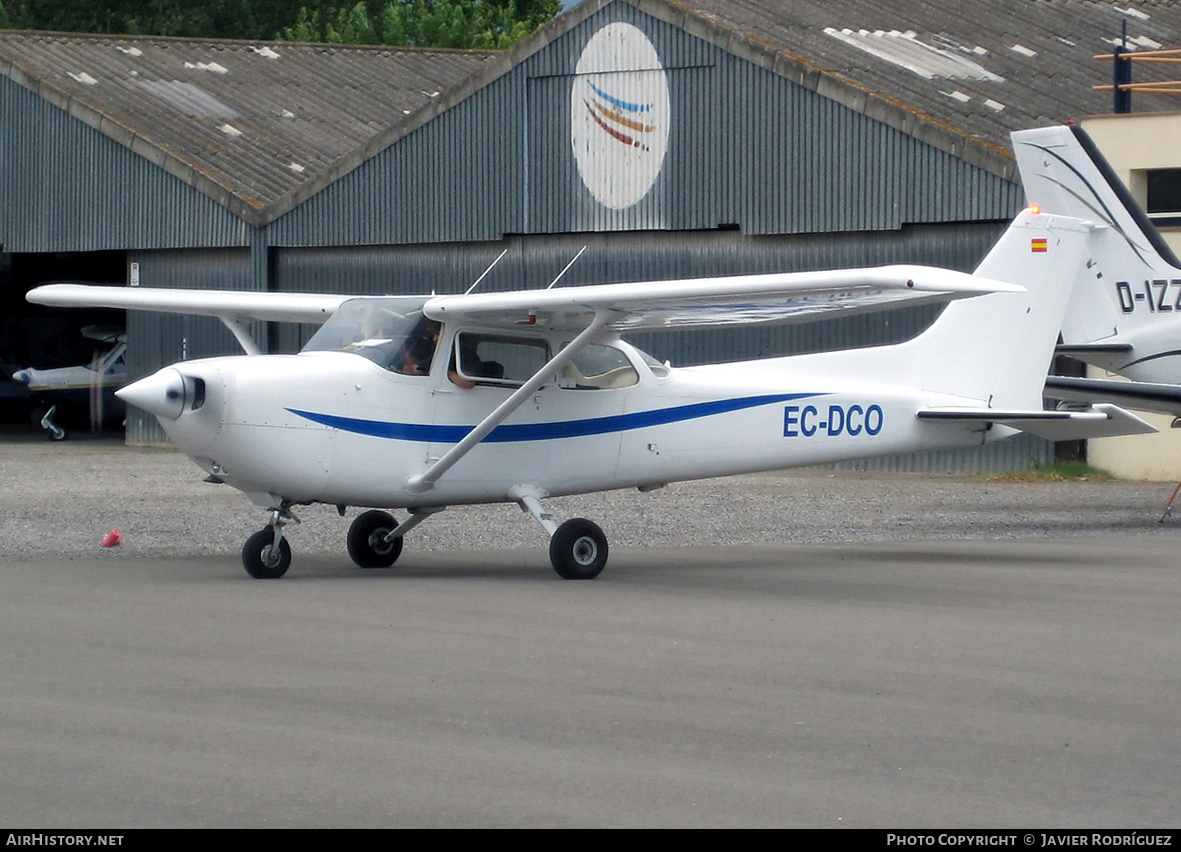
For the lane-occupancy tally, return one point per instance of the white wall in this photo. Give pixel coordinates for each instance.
(1132, 143)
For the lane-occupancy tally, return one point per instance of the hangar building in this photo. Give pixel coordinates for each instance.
(762, 136)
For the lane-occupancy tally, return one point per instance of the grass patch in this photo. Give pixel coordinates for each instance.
(1056, 472)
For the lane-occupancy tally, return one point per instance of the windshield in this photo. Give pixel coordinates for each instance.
(390, 331)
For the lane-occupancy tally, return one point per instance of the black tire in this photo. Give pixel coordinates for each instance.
(366, 541)
(578, 550)
(259, 558)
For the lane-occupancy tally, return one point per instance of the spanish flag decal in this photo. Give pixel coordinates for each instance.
(1037, 244)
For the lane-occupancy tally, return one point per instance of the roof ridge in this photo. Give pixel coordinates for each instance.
(220, 42)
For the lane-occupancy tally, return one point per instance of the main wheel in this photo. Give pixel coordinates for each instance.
(367, 544)
(262, 560)
(578, 550)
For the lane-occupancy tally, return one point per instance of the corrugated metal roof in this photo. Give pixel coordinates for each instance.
(262, 127)
(250, 124)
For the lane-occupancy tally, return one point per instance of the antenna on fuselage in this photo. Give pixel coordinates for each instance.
(476, 283)
(566, 268)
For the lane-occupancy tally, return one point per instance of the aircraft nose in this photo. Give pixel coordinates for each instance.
(162, 393)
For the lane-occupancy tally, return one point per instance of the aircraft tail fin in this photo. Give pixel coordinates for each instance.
(997, 348)
(1132, 275)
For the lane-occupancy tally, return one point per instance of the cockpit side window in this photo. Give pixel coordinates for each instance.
(497, 359)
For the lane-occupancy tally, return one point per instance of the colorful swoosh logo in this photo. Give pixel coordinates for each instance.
(608, 113)
(431, 433)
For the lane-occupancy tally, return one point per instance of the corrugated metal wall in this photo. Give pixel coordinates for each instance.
(534, 260)
(66, 187)
(155, 340)
(746, 147)
(446, 181)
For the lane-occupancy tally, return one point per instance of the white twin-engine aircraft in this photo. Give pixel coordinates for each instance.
(1125, 313)
(420, 403)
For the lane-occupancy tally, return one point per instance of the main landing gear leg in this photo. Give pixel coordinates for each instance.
(375, 538)
(577, 548)
(266, 554)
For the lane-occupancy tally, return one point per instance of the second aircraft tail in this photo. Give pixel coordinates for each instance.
(1125, 312)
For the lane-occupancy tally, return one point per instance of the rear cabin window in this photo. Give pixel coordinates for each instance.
(494, 359)
(599, 367)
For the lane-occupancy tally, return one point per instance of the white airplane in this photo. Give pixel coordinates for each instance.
(91, 383)
(420, 403)
(1125, 313)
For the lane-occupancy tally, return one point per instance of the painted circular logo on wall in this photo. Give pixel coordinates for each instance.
(619, 115)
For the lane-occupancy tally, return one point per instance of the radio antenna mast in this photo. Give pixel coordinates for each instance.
(484, 275)
(567, 267)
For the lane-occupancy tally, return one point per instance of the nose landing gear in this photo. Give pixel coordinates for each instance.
(55, 432)
(266, 554)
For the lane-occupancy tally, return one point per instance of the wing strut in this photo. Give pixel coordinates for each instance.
(425, 481)
(238, 329)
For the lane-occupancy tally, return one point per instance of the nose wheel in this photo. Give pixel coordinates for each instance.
(266, 555)
(263, 559)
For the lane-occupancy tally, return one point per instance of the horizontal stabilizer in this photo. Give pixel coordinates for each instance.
(1143, 396)
(1098, 421)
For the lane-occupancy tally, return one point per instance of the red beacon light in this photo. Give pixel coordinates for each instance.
(1035, 209)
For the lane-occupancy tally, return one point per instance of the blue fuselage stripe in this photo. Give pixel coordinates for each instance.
(442, 434)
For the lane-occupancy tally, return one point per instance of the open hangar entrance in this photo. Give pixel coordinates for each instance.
(33, 336)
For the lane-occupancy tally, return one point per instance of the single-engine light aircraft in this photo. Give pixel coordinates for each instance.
(420, 403)
(82, 385)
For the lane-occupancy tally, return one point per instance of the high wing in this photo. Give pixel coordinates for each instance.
(1143, 396)
(735, 300)
(238, 305)
(233, 307)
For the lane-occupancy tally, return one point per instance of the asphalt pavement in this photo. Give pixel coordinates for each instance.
(972, 655)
